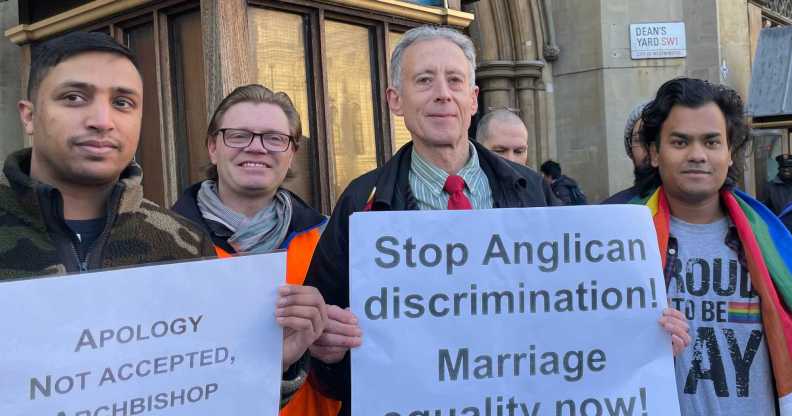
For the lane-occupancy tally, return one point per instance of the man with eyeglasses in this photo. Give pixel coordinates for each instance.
(252, 138)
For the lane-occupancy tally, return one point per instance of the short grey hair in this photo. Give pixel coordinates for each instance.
(503, 115)
(632, 120)
(424, 33)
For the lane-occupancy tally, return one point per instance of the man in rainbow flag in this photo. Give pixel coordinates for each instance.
(727, 258)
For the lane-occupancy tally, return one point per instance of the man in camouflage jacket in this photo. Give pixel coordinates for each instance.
(73, 202)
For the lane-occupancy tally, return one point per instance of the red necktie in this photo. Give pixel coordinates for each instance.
(454, 185)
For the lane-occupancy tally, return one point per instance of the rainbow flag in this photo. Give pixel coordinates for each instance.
(744, 312)
(768, 253)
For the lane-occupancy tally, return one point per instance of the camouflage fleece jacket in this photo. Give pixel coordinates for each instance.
(34, 238)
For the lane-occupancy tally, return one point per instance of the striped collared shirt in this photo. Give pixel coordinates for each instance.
(427, 181)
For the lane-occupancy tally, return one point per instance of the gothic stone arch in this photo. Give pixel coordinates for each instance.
(515, 45)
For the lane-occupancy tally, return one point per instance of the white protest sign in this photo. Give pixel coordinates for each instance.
(658, 40)
(510, 312)
(197, 338)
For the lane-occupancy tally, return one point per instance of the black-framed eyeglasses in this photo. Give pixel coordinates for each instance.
(240, 139)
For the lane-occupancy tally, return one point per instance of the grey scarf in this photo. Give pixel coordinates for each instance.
(262, 233)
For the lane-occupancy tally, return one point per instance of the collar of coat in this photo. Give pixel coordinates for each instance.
(393, 188)
(17, 172)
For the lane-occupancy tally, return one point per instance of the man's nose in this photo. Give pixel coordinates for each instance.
(100, 117)
(442, 91)
(697, 153)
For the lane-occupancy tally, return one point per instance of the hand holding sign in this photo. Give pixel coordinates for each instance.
(341, 334)
(303, 315)
(674, 322)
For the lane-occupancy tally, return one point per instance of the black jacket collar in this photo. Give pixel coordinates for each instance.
(17, 170)
(393, 191)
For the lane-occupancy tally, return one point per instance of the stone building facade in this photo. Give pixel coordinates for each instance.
(563, 65)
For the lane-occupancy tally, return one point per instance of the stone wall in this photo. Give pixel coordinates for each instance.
(575, 100)
(598, 84)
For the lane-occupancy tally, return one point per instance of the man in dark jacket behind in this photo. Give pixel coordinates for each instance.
(433, 88)
(779, 198)
(638, 154)
(564, 187)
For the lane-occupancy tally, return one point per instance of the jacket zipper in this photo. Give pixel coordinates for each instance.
(83, 265)
(110, 216)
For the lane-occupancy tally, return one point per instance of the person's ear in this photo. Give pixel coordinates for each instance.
(25, 108)
(394, 101)
(474, 98)
(211, 145)
(654, 155)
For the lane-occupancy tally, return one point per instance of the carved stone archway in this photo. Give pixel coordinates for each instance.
(515, 41)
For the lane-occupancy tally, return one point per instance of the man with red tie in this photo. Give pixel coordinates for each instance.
(432, 85)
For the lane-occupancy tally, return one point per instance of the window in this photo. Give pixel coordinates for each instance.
(190, 118)
(351, 106)
(330, 58)
(141, 40)
(278, 40)
(332, 61)
(400, 133)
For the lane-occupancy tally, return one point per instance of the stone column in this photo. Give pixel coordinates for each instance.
(496, 81)
(509, 37)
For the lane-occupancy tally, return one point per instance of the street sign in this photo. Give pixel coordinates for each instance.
(657, 40)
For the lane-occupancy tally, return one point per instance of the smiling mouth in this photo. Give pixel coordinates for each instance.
(253, 165)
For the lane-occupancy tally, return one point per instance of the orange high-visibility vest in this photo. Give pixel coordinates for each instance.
(307, 401)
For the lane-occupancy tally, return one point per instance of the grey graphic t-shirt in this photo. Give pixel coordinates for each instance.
(726, 369)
